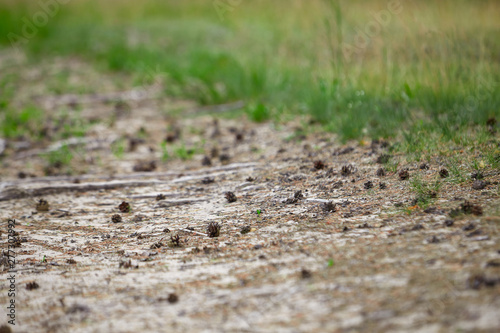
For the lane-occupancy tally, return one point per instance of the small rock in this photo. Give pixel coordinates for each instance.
(42, 206)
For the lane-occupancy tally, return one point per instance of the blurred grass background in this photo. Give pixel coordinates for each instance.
(430, 71)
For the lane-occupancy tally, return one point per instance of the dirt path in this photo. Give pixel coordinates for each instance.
(350, 252)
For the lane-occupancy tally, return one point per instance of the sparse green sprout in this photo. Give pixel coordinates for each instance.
(15, 124)
(330, 262)
(258, 212)
(118, 148)
(165, 155)
(258, 113)
(425, 192)
(44, 259)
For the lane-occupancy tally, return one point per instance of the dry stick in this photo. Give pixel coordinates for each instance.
(137, 175)
(196, 232)
(170, 203)
(17, 193)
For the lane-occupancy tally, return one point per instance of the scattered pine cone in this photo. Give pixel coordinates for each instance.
(404, 174)
(213, 229)
(124, 207)
(470, 208)
(230, 197)
(116, 218)
(443, 173)
(206, 161)
(346, 170)
(319, 165)
(329, 206)
(176, 240)
(424, 166)
(32, 285)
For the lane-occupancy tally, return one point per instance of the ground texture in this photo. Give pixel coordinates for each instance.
(315, 239)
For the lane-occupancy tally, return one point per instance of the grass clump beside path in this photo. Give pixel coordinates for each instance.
(380, 69)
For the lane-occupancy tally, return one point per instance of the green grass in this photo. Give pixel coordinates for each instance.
(60, 158)
(425, 192)
(18, 124)
(431, 71)
(118, 148)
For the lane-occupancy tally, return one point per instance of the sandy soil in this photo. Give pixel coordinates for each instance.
(350, 252)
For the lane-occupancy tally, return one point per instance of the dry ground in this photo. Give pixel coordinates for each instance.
(372, 261)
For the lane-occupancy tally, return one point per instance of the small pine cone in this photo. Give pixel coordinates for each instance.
(213, 229)
(116, 218)
(230, 197)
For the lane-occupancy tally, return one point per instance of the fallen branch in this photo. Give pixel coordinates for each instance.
(195, 232)
(179, 202)
(136, 175)
(18, 193)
